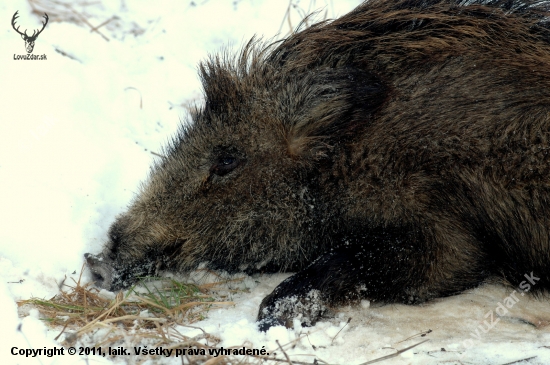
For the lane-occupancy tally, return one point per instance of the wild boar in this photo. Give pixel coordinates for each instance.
(398, 153)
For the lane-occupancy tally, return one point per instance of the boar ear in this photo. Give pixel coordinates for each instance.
(333, 105)
(221, 89)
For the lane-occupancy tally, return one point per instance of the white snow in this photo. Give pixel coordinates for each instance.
(76, 138)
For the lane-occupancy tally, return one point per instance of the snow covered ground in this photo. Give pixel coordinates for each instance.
(76, 135)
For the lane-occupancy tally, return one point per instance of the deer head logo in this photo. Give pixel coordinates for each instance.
(29, 40)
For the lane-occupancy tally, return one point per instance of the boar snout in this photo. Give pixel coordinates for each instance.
(101, 269)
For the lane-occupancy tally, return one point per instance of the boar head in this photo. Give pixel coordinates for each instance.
(244, 185)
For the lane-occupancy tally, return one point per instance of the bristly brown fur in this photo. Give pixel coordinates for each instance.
(398, 153)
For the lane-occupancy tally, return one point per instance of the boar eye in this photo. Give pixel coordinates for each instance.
(225, 165)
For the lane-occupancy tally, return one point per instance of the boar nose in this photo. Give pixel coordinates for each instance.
(101, 269)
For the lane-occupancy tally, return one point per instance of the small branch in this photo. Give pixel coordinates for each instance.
(63, 330)
(157, 154)
(392, 355)
(16, 282)
(284, 353)
(515, 362)
(84, 20)
(140, 97)
(129, 316)
(94, 29)
(421, 334)
(349, 320)
(284, 360)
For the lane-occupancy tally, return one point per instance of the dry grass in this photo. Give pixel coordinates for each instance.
(146, 314)
(167, 299)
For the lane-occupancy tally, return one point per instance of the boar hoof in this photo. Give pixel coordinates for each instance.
(282, 310)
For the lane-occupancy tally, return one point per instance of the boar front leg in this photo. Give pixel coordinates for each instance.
(388, 266)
